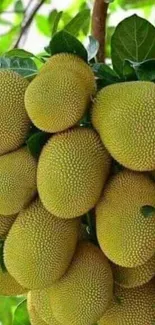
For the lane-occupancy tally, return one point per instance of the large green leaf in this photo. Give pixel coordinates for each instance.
(65, 42)
(24, 66)
(79, 22)
(133, 39)
(21, 316)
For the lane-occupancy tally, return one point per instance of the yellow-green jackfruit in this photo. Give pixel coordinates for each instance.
(131, 277)
(72, 170)
(17, 181)
(125, 234)
(14, 120)
(39, 246)
(82, 295)
(124, 116)
(58, 97)
(131, 306)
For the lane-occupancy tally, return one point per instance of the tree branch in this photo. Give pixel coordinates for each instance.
(28, 22)
(99, 17)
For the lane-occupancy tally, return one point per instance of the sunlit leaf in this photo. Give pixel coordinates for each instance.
(21, 316)
(133, 39)
(7, 40)
(4, 4)
(56, 22)
(43, 25)
(5, 22)
(80, 21)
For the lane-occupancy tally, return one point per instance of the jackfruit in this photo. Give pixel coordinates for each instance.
(39, 247)
(82, 295)
(14, 121)
(72, 170)
(58, 98)
(17, 181)
(134, 306)
(75, 64)
(124, 116)
(34, 317)
(5, 224)
(125, 235)
(9, 286)
(134, 276)
(42, 302)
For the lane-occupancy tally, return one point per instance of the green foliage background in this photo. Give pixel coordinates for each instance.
(76, 20)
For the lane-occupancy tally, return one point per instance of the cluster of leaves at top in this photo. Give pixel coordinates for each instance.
(132, 55)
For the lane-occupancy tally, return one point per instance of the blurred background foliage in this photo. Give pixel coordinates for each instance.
(30, 24)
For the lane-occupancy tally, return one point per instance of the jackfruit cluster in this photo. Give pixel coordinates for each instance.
(75, 235)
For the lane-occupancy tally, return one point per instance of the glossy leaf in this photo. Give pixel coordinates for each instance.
(133, 39)
(65, 42)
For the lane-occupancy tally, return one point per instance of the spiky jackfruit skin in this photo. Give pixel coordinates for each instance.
(82, 295)
(134, 306)
(124, 115)
(135, 276)
(5, 224)
(33, 315)
(72, 170)
(58, 98)
(41, 300)
(39, 247)
(125, 235)
(9, 286)
(14, 120)
(17, 180)
(74, 63)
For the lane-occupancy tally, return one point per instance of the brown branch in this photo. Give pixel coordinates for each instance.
(99, 17)
(28, 22)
